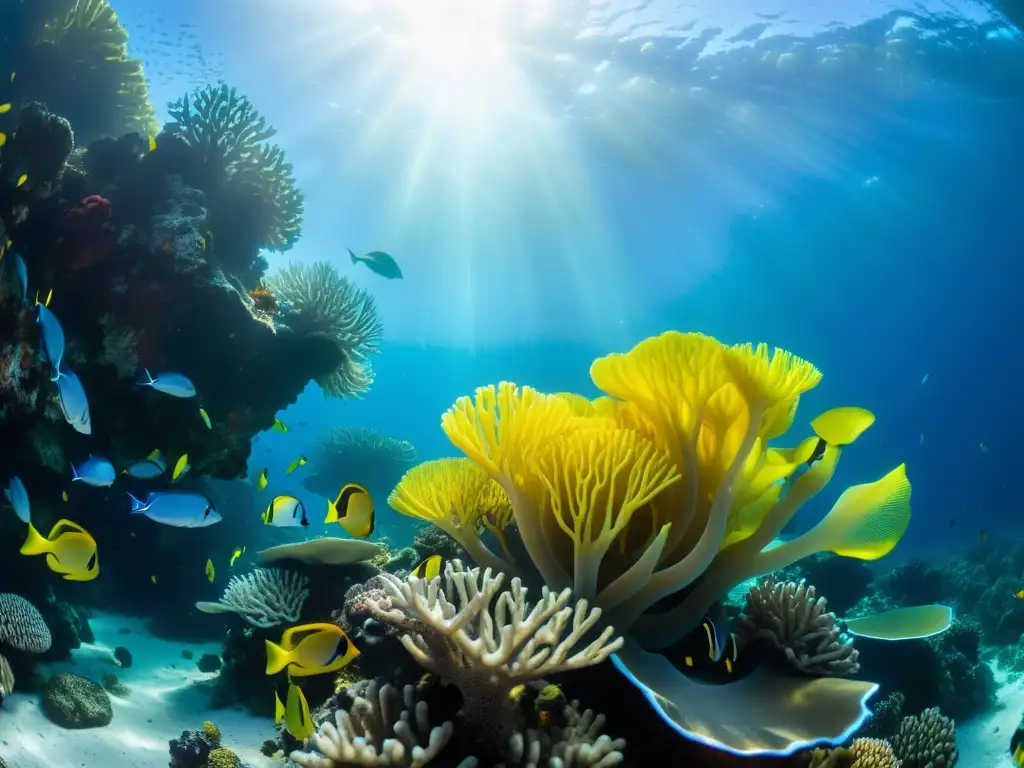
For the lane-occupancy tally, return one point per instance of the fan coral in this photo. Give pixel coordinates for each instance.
(22, 626)
(265, 598)
(789, 616)
(452, 630)
(315, 300)
(371, 458)
(928, 741)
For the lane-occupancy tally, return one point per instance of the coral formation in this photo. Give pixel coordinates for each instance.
(113, 685)
(266, 597)
(73, 701)
(6, 678)
(22, 626)
(862, 753)
(927, 741)
(378, 460)
(222, 757)
(191, 750)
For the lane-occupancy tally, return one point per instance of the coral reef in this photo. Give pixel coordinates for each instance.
(927, 741)
(357, 452)
(862, 753)
(73, 701)
(266, 597)
(191, 750)
(22, 626)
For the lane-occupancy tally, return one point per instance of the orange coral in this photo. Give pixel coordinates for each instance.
(264, 300)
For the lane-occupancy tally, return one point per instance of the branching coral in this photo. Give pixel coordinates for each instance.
(266, 597)
(316, 300)
(794, 621)
(373, 459)
(453, 631)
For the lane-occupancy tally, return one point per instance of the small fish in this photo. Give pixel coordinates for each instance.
(352, 510)
(310, 649)
(73, 402)
(152, 143)
(279, 426)
(205, 417)
(924, 380)
(295, 713)
(96, 471)
(983, 448)
(429, 569)
(261, 481)
(70, 550)
(22, 271)
(239, 551)
(983, 535)
(3, 139)
(299, 462)
(721, 644)
(22, 179)
(12, 76)
(51, 336)
(1019, 594)
(17, 497)
(180, 468)
(381, 263)
(174, 384)
(148, 468)
(177, 508)
(153, 579)
(64, 496)
(211, 574)
(4, 109)
(285, 512)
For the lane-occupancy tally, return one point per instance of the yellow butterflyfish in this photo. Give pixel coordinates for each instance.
(352, 510)
(295, 713)
(152, 143)
(70, 550)
(310, 649)
(429, 569)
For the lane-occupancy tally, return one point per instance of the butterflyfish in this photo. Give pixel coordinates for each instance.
(299, 462)
(380, 263)
(152, 143)
(73, 402)
(285, 512)
(310, 649)
(70, 550)
(51, 336)
(261, 481)
(429, 569)
(17, 497)
(295, 713)
(205, 417)
(96, 471)
(174, 384)
(180, 468)
(211, 574)
(180, 509)
(148, 468)
(280, 426)
(352, 510)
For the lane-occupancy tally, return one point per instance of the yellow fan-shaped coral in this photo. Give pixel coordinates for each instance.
(769, 380)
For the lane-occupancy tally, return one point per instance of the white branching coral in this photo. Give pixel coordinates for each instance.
(266, 597)
(317, 300)
(380, 728)
(452, 630)
(794, 620)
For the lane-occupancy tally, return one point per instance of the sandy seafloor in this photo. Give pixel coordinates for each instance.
(984, 741)
(164, 702)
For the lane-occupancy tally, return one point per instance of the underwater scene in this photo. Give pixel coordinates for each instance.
(511, 383)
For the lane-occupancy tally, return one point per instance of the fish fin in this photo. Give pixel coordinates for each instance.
(34, 544)
(355, 259)
(277, 657)
(137, 506)
(278, 708)
(147, 380)
(74, 472)
(332, 513)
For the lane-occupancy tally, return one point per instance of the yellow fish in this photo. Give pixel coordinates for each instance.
(4, 109)
(153, 579)
(205, 417)
(310, 649)
(352, 510)
(239, 551)
(1019, 595)
(261, 482)
(180, 468)
(64, 495)
(3, 138)
(152, 143)
(12, 76)
(299, 462)
(429, 569)
(70, 550)
(211, 574)
(1018, 756)
(22, 179)
(295, 714)
(280, 426)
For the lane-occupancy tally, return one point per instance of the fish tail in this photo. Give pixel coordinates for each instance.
(147, 379)
(137, 506)
(355, 259)
(74, 472)
(277, 657)
(34, 544)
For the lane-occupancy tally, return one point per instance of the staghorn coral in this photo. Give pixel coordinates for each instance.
(794, 621)
(265, 598)
(926, 741)
(453, 631)
(22, 626)
(316, 300)
(376, 459)
(579, 743)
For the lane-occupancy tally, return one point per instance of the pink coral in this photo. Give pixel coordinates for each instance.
(86, 233)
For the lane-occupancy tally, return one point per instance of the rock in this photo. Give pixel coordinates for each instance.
(73, 701)
(123, 656)
(209, 662)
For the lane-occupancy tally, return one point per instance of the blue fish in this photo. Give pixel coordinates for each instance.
(148, 468)
(97, 471)
(720, 642)
(18, 497)
(19, 267)
(178, 508)
(380, 262)
(174, 384)
(73, 402)
(52, 339)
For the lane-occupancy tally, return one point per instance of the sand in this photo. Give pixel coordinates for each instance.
(984, 741)
(163, 702)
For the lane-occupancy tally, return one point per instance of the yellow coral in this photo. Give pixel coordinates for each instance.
(223, 758)
(212, 731)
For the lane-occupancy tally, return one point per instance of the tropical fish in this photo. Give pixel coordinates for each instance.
(299, 462)
(64, 496)
(96, 471)
(429, 569)
(285, 512)
(174, 384)
(152, 143)
(22, 179)
(261, 481)
(239, 551)
(310, 649)
(205, 417)
(1019, 594)
(177, 508)
(51, 336)
(721, 643)
(381, 263)
(352, 510)
(295, 714)
(211, 574)
(153, 579)
(70, 550)
(17, 496)
(279, 426)
(22, 272)
(73, 402)
(148, 468)
(180, 468)
(5, 108)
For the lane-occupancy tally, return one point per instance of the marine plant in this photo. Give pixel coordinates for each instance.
(655, 499)
(316, 300)
(266, 597)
